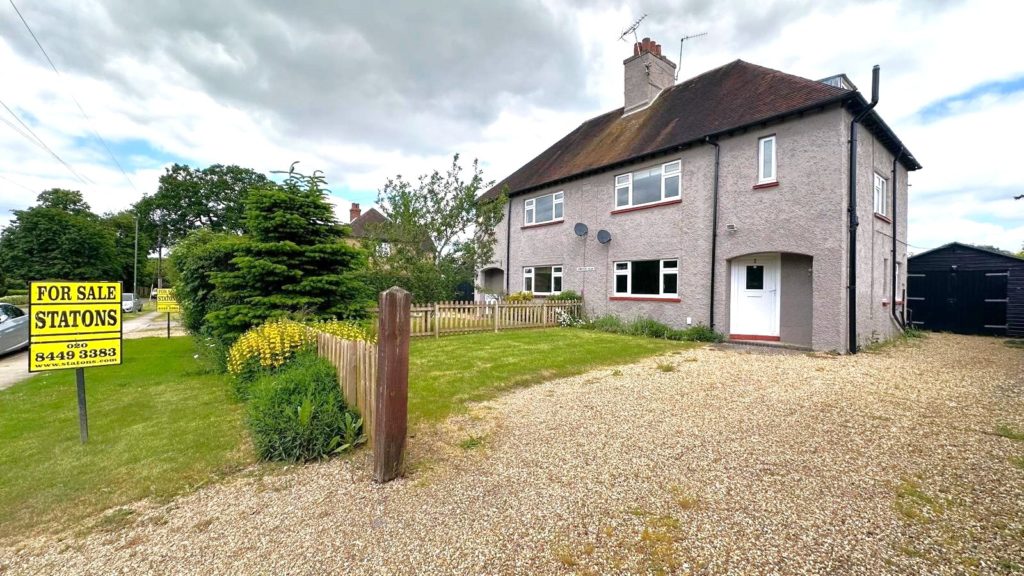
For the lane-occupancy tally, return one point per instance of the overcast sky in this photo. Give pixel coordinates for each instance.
(364, 91)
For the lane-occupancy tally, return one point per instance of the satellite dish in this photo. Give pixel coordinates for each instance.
(580, 229)
(604, 237)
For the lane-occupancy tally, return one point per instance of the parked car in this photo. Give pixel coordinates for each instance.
(129, 303)
(13, 328)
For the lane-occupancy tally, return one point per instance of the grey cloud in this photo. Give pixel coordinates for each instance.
(416, 76)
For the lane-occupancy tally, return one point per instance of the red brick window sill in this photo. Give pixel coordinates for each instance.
(542, 224)
(766, 185)
(642, 299)
(646, 206)
(883, 217)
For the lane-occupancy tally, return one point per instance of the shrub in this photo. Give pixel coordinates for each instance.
(519, 297)
(297, 413)
(567, 295)
(20, 300)
(650, 328)
(701, 333)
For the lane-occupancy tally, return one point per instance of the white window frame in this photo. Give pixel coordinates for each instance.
(880, 193)
(625, 182)
(625, 268)
(762, 178)
(530, 274)
(557, 206)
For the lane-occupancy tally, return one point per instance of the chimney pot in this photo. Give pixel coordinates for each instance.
(647, 45)
(354, 212)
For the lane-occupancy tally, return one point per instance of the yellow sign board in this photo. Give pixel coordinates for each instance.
(74, 325)
(166, 301)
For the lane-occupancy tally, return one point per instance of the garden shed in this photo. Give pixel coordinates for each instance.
(967, 290)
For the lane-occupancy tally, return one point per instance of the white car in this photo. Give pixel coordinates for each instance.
(129, 303)
(13, 328)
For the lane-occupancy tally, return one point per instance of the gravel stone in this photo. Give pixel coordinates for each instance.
(738, 461)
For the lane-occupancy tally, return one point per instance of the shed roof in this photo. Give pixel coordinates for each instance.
(733, 96)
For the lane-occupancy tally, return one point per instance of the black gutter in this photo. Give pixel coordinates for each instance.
(508, 247)
(852, 221)
(714, 232)
(895, 279)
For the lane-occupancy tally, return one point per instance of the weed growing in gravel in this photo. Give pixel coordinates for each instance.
(115, 520)
(666, 367)
(683, 499)
(1018, 462)
(1007, 431)
(472, 442)
(1014, 343)
(914, 504)
(616, 372)
(908, 550)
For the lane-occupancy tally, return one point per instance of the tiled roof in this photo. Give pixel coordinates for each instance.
(371, 216)
(732, 96)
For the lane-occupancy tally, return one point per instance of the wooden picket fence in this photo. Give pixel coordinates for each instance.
(461, 317)
(356, 362)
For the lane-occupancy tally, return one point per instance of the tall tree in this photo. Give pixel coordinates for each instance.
(59, 238)
(292, 262)
(436, 234)
(189, 198)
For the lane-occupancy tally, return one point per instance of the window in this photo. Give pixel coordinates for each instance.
(384, 249)
(655, 278)
(542, 279)
(755, 277)
(544, 208)
(648, 186)
(766, 160)
(881, 195)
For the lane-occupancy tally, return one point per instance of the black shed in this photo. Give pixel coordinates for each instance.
(967, 290)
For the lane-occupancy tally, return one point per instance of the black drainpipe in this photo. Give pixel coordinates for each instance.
(853, 222)
(714, 232)
(508, 248)
(895, 193)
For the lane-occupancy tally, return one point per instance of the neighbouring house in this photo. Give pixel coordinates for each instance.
(723, 200)
(967, 290)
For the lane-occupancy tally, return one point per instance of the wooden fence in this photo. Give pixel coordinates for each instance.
(462, 317)
(356, 363)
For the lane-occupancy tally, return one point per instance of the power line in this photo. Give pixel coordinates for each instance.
(39, 142)
(2, 177)
(92, 126)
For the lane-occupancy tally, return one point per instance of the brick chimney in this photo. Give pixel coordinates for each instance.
(647, 74)
(354, 212)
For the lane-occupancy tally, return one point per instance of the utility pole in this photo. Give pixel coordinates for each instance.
(135, 268)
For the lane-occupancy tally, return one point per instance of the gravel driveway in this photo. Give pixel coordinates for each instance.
(717, 461)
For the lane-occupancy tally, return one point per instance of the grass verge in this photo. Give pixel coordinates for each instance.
(159, 425)
(448, 373)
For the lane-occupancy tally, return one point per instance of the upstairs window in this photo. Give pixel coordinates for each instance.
(542, 279)
(651, 278)
(543, 209)
(766, 160)
(648, 186)
(881, 195)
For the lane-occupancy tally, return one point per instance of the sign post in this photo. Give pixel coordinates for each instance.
(75, 325)
(167, 301)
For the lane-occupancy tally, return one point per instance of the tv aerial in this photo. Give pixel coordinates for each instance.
(632, 29)
(681, 40)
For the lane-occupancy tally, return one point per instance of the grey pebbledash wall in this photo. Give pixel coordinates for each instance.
(803, 217)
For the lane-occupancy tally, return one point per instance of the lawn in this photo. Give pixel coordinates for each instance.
(159, 424)
(447, 373)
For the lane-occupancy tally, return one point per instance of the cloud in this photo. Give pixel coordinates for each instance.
(367, 91)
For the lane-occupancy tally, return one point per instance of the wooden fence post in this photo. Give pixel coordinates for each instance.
(495, 315)
(391, 400)
(437, 322)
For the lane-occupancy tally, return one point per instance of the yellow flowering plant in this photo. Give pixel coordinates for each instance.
(271, 344)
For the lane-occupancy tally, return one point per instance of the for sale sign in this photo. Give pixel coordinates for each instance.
(166, 301)
(74, 325)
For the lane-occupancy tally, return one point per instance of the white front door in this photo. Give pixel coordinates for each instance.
(754, 305)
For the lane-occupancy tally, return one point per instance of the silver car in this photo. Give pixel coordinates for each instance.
(13, 328)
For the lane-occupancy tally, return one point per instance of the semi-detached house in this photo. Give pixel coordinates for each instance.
(722, 200)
